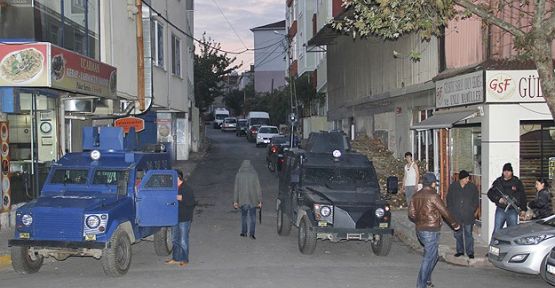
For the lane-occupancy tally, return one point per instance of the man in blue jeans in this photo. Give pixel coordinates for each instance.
(507, 185)
(427, 210)
(247, 195)
(463, 200)
(180, 232)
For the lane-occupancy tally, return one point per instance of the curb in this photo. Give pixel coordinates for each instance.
(5, 261)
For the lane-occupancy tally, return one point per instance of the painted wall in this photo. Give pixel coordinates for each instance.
(270, 58)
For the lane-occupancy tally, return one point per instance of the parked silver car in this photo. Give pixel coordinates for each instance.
(523, 248)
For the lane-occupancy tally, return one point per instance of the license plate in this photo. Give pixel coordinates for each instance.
(551, 269)
(24, 236)
(351, 236)
(322, 223)
(384, 225)
(90, 237)
(494, 250)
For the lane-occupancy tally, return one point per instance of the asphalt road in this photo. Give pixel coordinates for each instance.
(220, 258)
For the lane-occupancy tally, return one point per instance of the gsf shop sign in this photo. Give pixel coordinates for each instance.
(513, 86)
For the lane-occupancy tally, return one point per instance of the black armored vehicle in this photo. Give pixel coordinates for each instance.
(332, 193)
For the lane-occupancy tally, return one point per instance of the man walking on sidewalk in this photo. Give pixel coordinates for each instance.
(462, 202)
(426, 210)
(247, 196)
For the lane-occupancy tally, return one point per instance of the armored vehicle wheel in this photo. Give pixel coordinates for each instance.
(382, 246)
(307, 237)
(163, 241)
(116, 258)
(24, 261)
(283, 222)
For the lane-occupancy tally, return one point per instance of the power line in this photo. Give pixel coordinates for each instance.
(202, 42)
(230, 25)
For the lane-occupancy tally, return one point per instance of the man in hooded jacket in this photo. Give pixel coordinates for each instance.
(247, 196)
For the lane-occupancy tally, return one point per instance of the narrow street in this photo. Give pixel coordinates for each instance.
(220, 258)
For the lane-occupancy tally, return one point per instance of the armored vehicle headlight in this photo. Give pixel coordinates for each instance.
(336, 153)
(95, 155)
(325, 211)
(93, 221)
(27, 220)
(380, 212)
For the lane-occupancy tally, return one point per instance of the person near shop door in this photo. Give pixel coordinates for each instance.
(463, 201)
(427, 210)
(411, 177)
(542, 206)
(507, 187)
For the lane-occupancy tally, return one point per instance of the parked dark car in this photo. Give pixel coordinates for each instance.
(252, 131)
(332, 195)
(241, 128)
(274, 155)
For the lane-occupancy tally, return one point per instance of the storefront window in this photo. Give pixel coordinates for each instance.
(537, 154)
(424, 142)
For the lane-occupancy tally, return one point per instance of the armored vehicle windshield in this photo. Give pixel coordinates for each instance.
(358, 177)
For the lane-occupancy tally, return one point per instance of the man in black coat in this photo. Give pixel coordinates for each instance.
(463, 201)
(507, 185)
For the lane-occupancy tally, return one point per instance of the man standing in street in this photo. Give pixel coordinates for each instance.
(462, 202)
(505, 187)
(180, 232)
(247, 196)
(426, 210)
(410, 179)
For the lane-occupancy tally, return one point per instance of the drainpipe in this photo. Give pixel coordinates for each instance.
(140, 56)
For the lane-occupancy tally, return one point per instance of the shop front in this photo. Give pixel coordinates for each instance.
(484, 119)
(44, 89)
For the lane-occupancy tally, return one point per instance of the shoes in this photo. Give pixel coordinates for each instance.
(252, 237)
(171, 261)
(243, 235)
(430, 285)
(183, 263)
(459, 254)
(471, 256)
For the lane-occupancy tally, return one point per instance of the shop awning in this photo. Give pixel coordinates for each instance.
(444, 120)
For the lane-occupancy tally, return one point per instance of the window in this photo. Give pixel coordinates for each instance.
(108, 177)
(158, 44)
(70, 176)
(176, 55)
(160, 181)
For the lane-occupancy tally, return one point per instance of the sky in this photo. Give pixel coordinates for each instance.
(242, 15)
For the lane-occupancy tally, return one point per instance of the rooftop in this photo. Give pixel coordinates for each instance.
(272, 26)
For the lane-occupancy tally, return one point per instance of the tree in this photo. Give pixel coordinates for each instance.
(234, 101)
(533, 32)
(211, 66)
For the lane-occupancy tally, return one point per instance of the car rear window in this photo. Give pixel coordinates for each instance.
(230, 121)
(272, 130)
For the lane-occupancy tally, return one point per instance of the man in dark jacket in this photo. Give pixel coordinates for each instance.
(180, 232)
(463, 201)
(507, 185)
(427, 210)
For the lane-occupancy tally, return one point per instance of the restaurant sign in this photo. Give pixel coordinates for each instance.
(46, 65)
(460, 90)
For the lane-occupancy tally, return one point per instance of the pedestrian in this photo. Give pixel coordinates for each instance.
(463, 202)
(410, 179)
(180, 232)
(427, 210)
(507, 187)
(247, 196)
(542, 204)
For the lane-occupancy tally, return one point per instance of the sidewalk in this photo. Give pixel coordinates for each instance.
(404, 230)
(187, 166)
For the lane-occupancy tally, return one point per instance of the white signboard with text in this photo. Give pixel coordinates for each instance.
(513, 86)
(460, 90)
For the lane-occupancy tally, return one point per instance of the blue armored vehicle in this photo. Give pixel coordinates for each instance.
(98, 203)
